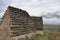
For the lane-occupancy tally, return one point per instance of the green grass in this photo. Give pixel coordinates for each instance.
(40, 37)
(37, 37)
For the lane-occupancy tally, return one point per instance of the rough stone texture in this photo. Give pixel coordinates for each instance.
(18, 22)
(38, 23)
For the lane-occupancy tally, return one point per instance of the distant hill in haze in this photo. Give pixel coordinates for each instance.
(51, 27)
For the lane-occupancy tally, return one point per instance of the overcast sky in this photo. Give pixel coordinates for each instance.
(49, 9)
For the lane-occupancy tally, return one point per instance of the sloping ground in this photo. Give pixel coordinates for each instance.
(54, 36)
(47, 36)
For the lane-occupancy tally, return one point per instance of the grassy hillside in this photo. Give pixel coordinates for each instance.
(47, 36)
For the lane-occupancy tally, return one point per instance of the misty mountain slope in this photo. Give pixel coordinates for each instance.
(54, 28)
